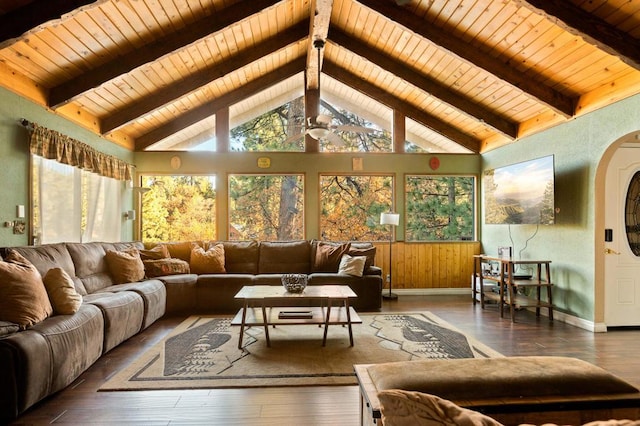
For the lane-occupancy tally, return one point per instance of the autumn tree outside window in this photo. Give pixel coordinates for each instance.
(350, 207)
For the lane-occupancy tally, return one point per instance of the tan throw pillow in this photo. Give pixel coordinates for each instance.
(401, 408)
(352, 265)
(23, 298)
(162, 267)
(158, 252)
(125, 266)
(207, 262)
(328, 256)
(62, 293)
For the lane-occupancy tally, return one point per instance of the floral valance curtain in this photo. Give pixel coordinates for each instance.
(53, 145)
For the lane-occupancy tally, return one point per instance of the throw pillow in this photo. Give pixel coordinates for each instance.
(328, 256)
(161, 267)
(207, 262)
(352, 265)
(401, 408)
(160, 251)
(369, 252)
(23, 298)
(125, 266)
(62, 293)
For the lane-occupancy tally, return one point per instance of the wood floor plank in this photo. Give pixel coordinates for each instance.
(81, 403)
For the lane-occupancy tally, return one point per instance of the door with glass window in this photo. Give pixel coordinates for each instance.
(622, 239)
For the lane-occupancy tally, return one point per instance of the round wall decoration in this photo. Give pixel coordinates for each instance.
(176, 162)
(434, 163)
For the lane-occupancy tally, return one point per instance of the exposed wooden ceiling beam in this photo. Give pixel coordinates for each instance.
(384, 97)
(32, 15)
(593, 30)
(433, 87)
(206, 110)
(67, 91)
(187, 85)
(318, 29)
(553, 99)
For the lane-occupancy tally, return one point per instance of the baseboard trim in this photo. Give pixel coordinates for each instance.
(557, 315)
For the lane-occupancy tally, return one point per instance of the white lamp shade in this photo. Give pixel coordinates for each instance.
(389, 219)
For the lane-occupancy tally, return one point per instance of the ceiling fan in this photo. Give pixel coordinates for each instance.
(320, 127)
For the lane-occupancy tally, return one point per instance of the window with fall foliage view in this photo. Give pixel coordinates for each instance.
(178, 208)
(350, 207)
(266, 207)
(439, 208)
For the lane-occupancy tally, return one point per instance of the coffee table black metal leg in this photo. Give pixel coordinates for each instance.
(346, 306)
(266, 325)
(243, 323)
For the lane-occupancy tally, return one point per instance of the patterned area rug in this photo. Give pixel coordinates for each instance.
(202, 352)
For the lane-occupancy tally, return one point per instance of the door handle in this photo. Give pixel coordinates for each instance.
(610, 251)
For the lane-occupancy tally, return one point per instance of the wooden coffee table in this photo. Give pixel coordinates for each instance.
(270, 305)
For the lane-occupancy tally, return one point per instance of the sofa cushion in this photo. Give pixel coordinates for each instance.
(328, 256)
(62, 293)
(352, 265)
(23, 297)
(48, 256)
(210, 261)
(401, 407)
(125, 266)
(285, 257)
(163, 267)
(91, 265)
(241, 257)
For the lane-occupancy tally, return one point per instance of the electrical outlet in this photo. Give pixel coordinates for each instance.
(388, 278)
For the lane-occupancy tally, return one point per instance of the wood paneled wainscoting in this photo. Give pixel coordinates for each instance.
(434, 265)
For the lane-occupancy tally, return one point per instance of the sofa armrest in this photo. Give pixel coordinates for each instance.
(373, 270)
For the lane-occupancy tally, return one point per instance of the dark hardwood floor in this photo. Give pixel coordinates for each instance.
(616, 351)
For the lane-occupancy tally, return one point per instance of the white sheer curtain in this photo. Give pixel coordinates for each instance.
(59, 192)
(104, 208)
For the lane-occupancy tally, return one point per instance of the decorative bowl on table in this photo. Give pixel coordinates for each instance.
(294, 283)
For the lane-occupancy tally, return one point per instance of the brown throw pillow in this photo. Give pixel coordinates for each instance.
(162, 267)
(369, 252)
(207, 262)
(125, 266)
(158, 252)
(23, 298)
(328, 256)
(62, 293)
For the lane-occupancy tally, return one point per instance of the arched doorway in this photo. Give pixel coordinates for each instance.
(617, 266)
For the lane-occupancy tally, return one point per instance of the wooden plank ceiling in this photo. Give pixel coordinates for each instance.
(469, 75)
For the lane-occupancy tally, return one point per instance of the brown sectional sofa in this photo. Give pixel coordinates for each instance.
(50, 355)
(262, 263)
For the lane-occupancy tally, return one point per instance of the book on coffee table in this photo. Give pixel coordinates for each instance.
(303, 314)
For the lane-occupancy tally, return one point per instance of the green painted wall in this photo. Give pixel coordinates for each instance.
(14, 158)
(578, 147)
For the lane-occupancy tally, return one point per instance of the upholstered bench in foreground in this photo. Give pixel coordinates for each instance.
(512, 390)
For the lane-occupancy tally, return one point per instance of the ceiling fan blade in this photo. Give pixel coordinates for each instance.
(323, 119)
(352, 128)
(335, 139)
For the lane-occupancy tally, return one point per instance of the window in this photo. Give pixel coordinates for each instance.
(280, 129)
(70, 204)
(350, 207)
(178, 208)
(266, 207)
(440, 208)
